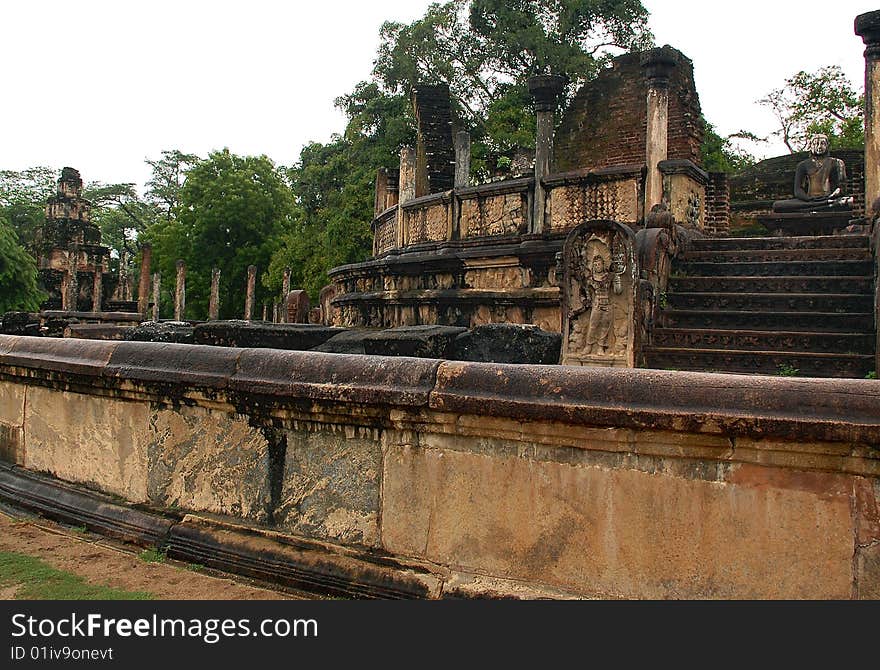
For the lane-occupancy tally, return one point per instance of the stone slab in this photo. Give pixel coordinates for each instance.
(251, 334)
(618, 532)
(162, 331)
(415, 341)
(507, 343)
(92, 440)
(206, 461)
(330, 486)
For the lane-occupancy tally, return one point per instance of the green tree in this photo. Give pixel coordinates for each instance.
(18, 273)
(721, 154)
(818, 102)
(168, 175)
(23, 197)
(233, 210)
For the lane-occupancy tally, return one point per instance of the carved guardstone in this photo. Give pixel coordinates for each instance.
(599, 290)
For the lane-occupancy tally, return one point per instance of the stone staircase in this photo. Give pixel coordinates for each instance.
(770, 305)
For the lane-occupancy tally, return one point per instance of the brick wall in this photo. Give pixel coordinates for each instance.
(605, 123)
(717, 204)
(435, 153)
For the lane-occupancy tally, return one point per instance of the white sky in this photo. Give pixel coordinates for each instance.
(101, 85)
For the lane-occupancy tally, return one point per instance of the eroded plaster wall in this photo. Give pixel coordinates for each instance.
(608, 483)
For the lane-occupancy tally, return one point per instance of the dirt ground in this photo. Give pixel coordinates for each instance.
(102, 561)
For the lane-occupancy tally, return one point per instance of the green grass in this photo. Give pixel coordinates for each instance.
(786, 370)
(871, 375)
(195, 567)
(39, 581)
(152, 555)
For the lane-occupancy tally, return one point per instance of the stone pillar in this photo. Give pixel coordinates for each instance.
(867, 26)
(72, 293)
(462, 159)
(658, 64)
(249, 296)
(214, 301)
(97, 289)
(180, 292)
(545, 89)
(265, 311)
(285, 289)
(157, 287)
(144, 283)
(407, 189)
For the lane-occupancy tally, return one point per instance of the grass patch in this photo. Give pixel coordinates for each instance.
(39, 581)
(871, 375)
(195, 567)
(152, 555)
(786, 370)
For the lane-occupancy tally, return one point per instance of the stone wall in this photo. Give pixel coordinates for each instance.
(605, 123)
(494, 478)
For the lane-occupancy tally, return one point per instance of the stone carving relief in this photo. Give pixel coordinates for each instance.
(599, 291)
(493, 215)
(426, 224)
(386, 235)
(571, 204)
(693, 210)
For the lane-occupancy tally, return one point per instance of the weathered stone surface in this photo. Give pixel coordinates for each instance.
(91, 440)
(331, 485)
(180, 332)
(291, 336)
(208, 461)
(20, 323)
(682, 401)
(348, 342)
(12, 403)
(169, 364)
(97, 331)
(507, 343)
(340, 377)
(84, 357)
(416, 341)
(620, 532)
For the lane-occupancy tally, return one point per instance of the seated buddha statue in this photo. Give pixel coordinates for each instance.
(818, 182)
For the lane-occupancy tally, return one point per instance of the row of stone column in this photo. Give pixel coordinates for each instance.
(280, 310)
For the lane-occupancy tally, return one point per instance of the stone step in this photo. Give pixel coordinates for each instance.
(812, 242)
(778, 255)
(773, 302)
(782, 321)
(764, 340)
(772, 284)
(785, 363)
(775, 269)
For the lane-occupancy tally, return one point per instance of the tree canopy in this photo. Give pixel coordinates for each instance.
(18, 273)
(818, 102)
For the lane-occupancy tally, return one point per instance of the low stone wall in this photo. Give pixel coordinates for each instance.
(501, 478)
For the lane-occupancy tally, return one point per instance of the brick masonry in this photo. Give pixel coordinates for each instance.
(605, 124)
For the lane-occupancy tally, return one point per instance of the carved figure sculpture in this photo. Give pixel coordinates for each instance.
(818, 182)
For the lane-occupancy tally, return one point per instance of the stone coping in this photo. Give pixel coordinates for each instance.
(806, 409)
(588, 175)
(441, 198)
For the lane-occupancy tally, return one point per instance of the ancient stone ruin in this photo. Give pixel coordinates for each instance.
(424, 441)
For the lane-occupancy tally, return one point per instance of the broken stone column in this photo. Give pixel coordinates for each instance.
(249, 295)
(406, 188)
(285, 289)
(157, 286)
(658, 65)
(180, 292)
(97, 289)
(462, 159)
(72, 293)
(144, 282)
(214, 300)
(265, 311)
(545, 88)
(867, 26)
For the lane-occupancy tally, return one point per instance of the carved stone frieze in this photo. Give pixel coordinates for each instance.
(427, 224)
(600, 284)
(572, 203)
(493, 215)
